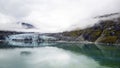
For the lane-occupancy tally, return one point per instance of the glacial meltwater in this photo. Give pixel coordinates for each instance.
(58, 55)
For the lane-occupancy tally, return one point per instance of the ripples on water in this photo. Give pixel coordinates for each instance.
(60, 56)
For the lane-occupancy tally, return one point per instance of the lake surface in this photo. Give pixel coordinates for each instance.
(58, 55)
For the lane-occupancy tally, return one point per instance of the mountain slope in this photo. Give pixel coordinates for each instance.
(106, 31)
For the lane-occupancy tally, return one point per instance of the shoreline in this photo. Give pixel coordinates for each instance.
(79, 42)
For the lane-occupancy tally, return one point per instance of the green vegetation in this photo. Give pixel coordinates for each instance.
(108, 39)
(75, 33)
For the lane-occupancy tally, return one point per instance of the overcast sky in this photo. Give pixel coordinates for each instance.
(52, 15)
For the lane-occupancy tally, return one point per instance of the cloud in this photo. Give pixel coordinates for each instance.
(52, 15)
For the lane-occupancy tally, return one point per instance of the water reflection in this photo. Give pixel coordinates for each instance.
(45, 57)
(60, 55)
(106, 55)
(25, 53)
(30, 44)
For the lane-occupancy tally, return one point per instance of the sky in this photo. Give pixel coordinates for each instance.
(53, 15)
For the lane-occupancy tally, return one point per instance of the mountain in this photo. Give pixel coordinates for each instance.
(26, 25)
(105, 31)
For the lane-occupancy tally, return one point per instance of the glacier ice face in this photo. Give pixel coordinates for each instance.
(29, 36)
(29, 39)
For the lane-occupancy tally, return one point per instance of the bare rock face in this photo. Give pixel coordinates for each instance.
(80, 38)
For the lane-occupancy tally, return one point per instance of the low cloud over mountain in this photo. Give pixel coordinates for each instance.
(52, 15)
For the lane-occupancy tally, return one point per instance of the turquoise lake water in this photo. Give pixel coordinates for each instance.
(59, 55)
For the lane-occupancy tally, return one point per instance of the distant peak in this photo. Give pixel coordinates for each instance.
(26, 25)
(107, 15)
